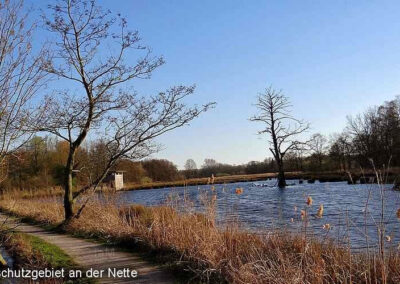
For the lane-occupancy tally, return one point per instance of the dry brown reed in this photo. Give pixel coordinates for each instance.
(226, 254)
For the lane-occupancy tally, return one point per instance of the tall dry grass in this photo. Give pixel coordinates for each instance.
(213, 253)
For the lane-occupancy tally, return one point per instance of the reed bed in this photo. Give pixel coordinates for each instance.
(216, 254)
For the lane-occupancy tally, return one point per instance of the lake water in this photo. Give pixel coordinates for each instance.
(351, 210)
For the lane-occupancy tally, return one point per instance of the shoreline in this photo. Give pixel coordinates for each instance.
(390, 177)
(310, 177)
(164, 233)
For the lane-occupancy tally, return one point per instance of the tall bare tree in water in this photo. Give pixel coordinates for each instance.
(90, 52)
(21, 76)
(280, 126)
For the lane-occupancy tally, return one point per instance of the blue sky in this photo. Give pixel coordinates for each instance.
(332, 58)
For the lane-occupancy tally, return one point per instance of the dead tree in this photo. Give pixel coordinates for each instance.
(21, 76)
(281, 127)
(90, 53)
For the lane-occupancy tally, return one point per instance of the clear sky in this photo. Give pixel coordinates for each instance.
(332, 58)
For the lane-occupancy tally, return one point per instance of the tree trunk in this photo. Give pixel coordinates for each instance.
(320, 162)
(68, 186)
(281, 175)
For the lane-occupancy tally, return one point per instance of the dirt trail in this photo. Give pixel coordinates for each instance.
(97, 256)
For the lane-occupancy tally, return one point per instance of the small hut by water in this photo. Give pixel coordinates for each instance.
(115, 180)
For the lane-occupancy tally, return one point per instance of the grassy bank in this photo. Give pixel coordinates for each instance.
(199, 181)
(31, 252)
(190, 241)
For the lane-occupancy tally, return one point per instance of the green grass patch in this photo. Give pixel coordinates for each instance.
(34, 253)
(53, 255)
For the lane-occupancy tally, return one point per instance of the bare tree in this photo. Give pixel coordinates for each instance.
(281, 127)
(317, 144)
(91, 50)
(190, 165)
(342, 150)
(21, 76)
(209, 163)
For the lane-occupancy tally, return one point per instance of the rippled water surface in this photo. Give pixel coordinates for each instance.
(263, 206)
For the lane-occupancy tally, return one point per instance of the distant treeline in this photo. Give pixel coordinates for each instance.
(40, 164)
(370, 139)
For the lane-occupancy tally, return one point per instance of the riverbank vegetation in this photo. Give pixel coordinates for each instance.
(374, 134)
(213, 251)
(33, 253)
